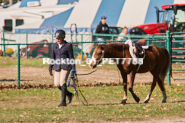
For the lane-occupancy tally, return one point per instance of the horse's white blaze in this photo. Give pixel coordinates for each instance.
(91, 60)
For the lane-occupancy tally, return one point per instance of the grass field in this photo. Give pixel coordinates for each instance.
(38, 105)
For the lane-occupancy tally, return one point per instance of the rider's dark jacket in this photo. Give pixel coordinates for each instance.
(64, 53)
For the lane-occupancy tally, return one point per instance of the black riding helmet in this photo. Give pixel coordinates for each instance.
(60, 34)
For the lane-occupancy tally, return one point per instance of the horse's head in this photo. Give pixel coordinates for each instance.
(97, 56)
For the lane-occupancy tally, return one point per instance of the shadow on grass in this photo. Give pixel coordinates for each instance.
(98, 104)
(177, 101)
(134, 103)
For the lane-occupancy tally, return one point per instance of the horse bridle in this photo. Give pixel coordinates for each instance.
(103, 52)
(97, 63)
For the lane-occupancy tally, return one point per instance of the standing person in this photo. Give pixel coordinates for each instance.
(102, 28)
(62, 52)
(123, 34)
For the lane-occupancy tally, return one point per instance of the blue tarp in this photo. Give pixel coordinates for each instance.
(24, 2)
(58, 20)
(67, 1)
(111, 9)
(49, 30)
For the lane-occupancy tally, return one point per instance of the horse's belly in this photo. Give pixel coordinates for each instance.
(145, 68)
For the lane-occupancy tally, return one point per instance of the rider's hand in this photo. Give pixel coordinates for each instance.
(89, 55)
(50, 72)
(74, 71)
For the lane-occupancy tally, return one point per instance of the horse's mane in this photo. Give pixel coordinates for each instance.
(116, 46)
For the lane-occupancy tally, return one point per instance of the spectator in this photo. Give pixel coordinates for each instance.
(123, 34)
(102, 28)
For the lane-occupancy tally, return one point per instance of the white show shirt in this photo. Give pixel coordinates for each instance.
(59, 45)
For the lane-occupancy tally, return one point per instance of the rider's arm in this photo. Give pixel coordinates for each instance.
(71, 56)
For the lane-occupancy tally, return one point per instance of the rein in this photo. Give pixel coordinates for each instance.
(97, 63)
(89, 72)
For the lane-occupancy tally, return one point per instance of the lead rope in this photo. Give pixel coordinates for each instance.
(76, 89)
(75, 82)
(89, 72)
(103, 52)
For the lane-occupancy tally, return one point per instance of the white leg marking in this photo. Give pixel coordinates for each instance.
(148, 97)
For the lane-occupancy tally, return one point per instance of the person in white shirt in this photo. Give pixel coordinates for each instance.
(123, 34)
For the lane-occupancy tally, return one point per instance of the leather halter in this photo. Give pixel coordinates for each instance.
(103, 52)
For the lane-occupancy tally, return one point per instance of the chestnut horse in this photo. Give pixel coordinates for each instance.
(156, 61)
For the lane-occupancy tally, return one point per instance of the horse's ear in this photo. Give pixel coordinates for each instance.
(97, 44)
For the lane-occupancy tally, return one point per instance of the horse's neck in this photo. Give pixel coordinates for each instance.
(126, 51)
(114, 53)
(109, 53)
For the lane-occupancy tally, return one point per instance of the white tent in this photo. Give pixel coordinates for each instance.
(87, 15)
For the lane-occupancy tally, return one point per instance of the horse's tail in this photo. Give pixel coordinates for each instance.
(165, 68)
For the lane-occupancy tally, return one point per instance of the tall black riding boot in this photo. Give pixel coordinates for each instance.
(64, 91)
(69, 95)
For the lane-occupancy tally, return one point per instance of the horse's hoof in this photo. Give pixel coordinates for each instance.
(164, 101)
(146, 101)
(123, 101)
(137, 99)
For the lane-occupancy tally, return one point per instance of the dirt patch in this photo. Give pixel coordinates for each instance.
(36, 75)
(31, 75)
(162, 120)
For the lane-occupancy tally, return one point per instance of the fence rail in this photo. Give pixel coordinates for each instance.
(81, 43)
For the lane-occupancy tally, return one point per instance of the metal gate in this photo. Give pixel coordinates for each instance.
(177, 46)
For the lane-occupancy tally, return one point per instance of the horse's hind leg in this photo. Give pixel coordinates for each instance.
(161, 85)
(132, 77)
(152, 88)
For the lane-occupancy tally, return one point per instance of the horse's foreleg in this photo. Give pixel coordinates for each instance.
(124, 76)
(161, 85)
(151, 90)
(131, 83)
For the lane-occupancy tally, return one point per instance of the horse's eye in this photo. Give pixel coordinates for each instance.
(99, 53)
